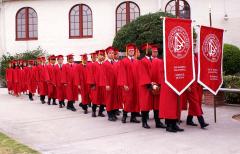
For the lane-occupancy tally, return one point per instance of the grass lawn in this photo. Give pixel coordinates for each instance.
(10, 146)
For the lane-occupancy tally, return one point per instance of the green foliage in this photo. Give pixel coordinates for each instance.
(232, 81)
(27, 55)
(145, 29)
(231, 59)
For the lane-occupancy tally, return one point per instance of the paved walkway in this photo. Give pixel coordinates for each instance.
(49, 130)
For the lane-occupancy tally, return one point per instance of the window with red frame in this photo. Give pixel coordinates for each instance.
(26, 24)
(125, 13)
(180, 8)
(80, 22)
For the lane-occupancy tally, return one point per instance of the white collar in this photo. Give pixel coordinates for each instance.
(131, 57)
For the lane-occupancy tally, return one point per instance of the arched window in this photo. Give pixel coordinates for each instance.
(180, 8)
(125, 13)
(80, 22)
(26, 24)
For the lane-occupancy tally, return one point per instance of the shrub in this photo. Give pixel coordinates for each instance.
(27, 55)
(231, 59)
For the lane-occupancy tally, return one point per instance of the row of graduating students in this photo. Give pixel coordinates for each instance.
(133, 85)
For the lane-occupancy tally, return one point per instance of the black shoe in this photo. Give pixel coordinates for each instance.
(73, 109)
(118, 113)
(101, 115)
(202, 122)
(94, 114)
(43, 102)
(145, 125)
(190, 121)
(160, 125)
(80, 105)
(134, 120)
(60, 105)
(137, 114)
(31, 99)
(124, 118)
(85, 111)
(63, 103)
(177, 128)
(48, 103)
(170, 129)
(54, 103)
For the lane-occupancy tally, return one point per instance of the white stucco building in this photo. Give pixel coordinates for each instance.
(76, 26)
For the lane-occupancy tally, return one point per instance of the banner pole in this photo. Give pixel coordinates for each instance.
(215, 112)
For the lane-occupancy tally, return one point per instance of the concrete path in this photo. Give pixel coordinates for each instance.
(51, 130)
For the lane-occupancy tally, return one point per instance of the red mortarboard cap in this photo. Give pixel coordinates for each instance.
(146, 47)
(39, 58)
(109, 49)
(43, 58)
(52, 57)
(116, 50)
(102, 52)
(93, 54)
(154, 48)
(70, 56)
(31, 62)
(131, 46)
(59, 56)
(84, 56)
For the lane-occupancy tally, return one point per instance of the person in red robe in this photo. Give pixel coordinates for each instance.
(81, 82)
(58, 72)
(31, 79)
(94, 57)
(96, 79)
(110, 83)
(16, 79)
(51, 83)
(146, 87)
(9, 77)
(128, 79)
(71, 89)
(194, 97)
(42, 78)
(119, 98)
(24, 76)
(168, 105)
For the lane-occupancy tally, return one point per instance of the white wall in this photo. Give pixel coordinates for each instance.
(53, 26)
(200, 13)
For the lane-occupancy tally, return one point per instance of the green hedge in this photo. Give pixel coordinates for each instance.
(232, 81)
(231, 59)
(27, 55)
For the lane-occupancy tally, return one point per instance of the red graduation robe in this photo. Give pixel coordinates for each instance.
(97, 78)
(157, 77)
(9, 78)
(31, 79)
(119, 96)
(24, 79)
(110, 80)
(16, 81)
(60, 89)
(51, 81)
(129, 76)
(69, 79)
(81, 80)
(145, 79)
(194, 96)
(42, 77)
(168, 106)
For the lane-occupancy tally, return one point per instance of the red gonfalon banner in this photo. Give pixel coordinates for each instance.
(178, 54)
(210, 58)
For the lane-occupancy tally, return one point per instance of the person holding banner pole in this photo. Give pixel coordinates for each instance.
(146, 87)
